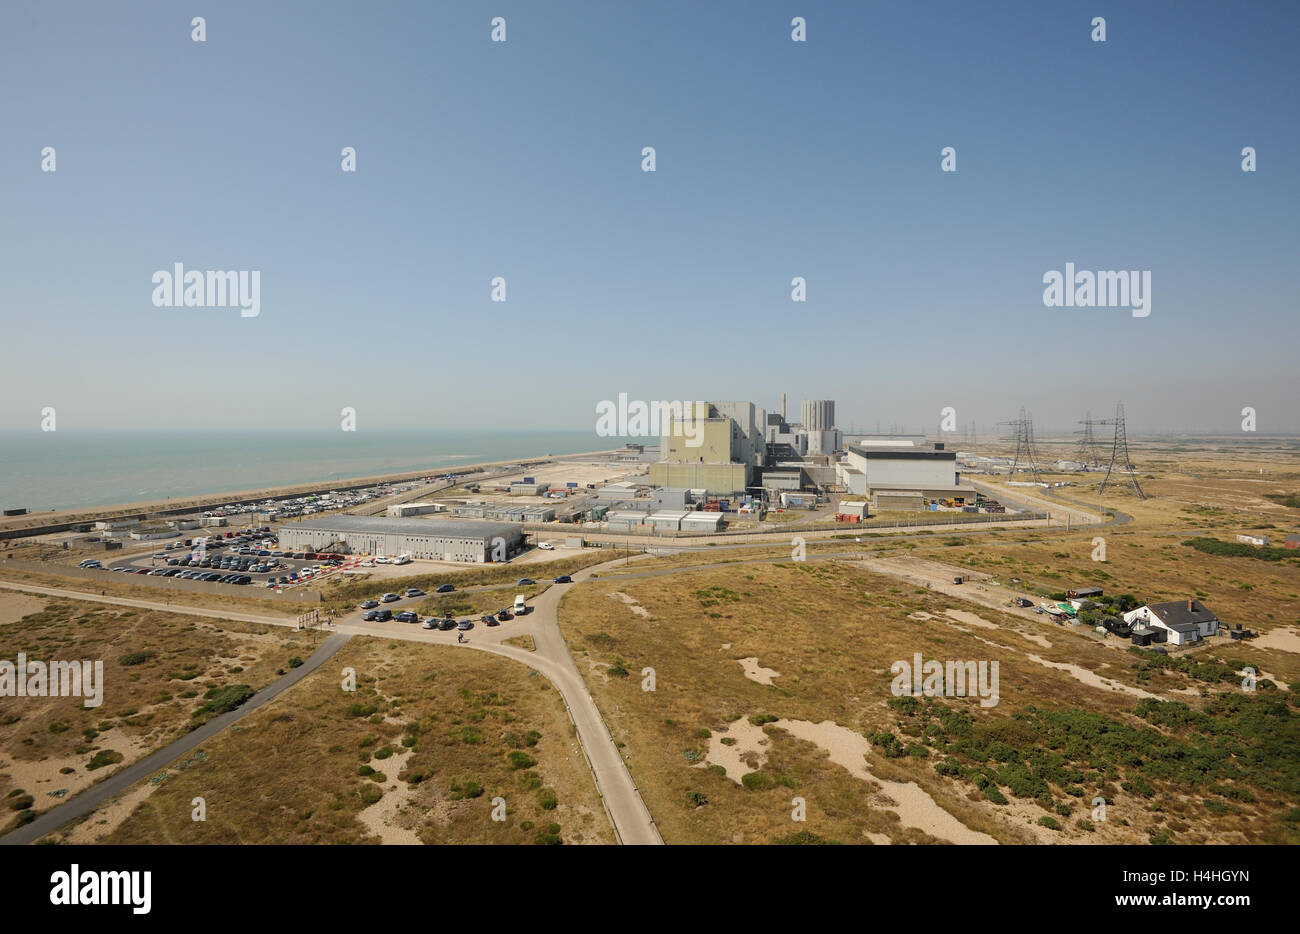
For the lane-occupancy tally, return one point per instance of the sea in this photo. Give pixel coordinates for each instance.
(72, 469)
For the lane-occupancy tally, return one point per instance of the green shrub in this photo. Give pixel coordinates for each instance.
(370, 794)
(1049, 822)
(223, 700)
(102, 758)
(546, 798)
(521, 760)
(466, 789)
(758, 781)
(136, 658)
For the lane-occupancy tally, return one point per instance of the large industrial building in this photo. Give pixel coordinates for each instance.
(901, 476)
(714, 448)
(435, 539)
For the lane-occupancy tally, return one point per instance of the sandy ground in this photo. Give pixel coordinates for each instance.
(385, 817)
(915, 807)
(631, 604)
(41, 777)
(970, 619)
(750, 745)
(14, 606)
(102, 822)
(1286, 640)
(755, 672)
(1092, 678)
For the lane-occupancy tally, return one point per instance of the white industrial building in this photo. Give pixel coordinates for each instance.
(901, 476)
(435, 539)
(404, 510)
(702, 522)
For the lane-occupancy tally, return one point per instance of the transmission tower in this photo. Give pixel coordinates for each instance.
(1120, 442)
(1088, 452)
(1026, 458)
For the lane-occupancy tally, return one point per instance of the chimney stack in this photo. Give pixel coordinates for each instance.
(783, 407)
(1189, 604)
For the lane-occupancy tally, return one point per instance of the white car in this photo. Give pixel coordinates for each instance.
(546, 546)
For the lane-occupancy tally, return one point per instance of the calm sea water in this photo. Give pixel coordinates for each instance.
(75, 469)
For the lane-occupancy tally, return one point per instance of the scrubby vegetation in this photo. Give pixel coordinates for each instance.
(1235, 742)
(1214, 546)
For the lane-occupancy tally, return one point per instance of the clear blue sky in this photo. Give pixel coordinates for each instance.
(775, 159)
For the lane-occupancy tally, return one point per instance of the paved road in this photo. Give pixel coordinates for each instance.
(95, 795)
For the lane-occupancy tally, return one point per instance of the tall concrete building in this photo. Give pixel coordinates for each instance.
(715, 448)
(819, 426)
(818, 415)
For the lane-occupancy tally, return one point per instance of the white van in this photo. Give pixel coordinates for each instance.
(520, 606)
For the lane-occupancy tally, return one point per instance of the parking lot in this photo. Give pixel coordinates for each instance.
(251, 559)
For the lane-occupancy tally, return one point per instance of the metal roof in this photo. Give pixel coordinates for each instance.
(900, 453)
(381, 525)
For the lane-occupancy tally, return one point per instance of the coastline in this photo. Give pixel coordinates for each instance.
(32, 523)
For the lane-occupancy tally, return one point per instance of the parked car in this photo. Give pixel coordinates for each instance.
(564, 579)
(446, 588)
(520, 606)
(406, 616)
(464, 625)
(490, 620)
(430, 623)
(1021, 601)
(446, 624)
(504, 615)
(371, 616)
(546, 546)
(524, 582)
(414, 592)
(389, 598)
(369, 604)
(383, 616)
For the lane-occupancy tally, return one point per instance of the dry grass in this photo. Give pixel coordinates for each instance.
(289, 773)
(832, 631)
(148, 699)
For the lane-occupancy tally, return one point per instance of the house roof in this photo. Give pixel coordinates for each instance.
(1176, 613)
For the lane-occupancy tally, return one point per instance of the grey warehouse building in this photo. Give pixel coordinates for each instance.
(435, 539)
